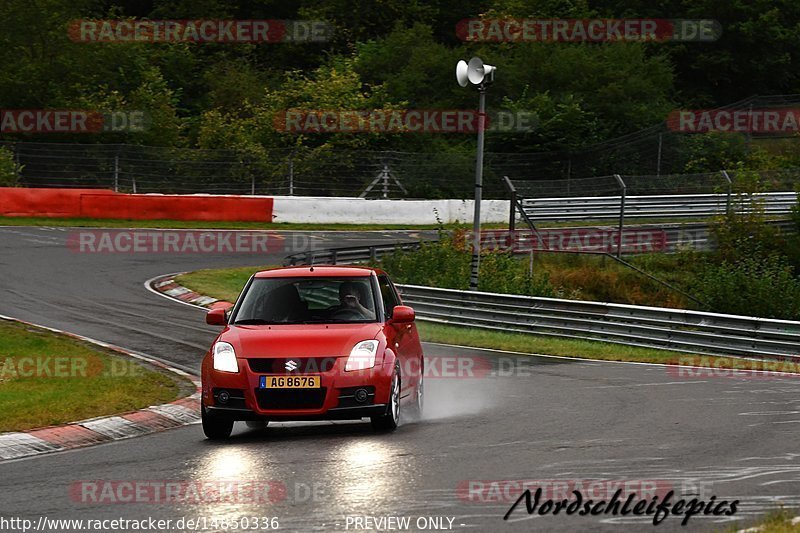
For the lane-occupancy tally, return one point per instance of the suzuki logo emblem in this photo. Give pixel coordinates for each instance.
(291, 365)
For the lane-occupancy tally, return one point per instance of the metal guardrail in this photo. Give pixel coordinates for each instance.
(352, 254)
(659, 206)
(666, 238)
(676, 329)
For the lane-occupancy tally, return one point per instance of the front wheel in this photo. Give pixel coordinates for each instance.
(214, 426)
(390, 420)
(419, 400)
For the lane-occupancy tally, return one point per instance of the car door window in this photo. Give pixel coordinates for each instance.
(388, 295)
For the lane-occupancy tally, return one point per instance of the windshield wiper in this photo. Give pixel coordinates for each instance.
(335, 321)
(252, 322)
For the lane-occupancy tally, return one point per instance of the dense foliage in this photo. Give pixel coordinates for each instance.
(391, 54)
(9, 170)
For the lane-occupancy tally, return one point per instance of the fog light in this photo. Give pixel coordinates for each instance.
(361, 395)
(223, 396)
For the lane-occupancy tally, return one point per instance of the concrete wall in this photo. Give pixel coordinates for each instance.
(94, 203)
(361, 211)
(98, 203)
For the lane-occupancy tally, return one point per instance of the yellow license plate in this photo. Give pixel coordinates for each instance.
(290, 382)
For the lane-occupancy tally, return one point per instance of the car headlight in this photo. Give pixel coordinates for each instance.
(225, 357)
(362, 356)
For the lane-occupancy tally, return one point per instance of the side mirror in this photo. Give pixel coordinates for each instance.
(402, 314)
(216, 317)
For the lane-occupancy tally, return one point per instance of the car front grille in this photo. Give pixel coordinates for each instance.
(290, 398)
(304, 365)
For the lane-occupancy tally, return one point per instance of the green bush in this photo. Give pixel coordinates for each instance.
(744, 230)
(756, 285)
(795, 215)
(447, 264)
(9, 170)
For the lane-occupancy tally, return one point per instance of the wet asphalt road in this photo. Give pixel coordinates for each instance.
(561, 423)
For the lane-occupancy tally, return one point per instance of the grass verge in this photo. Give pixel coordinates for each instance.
(222, 284)
(774, 522)
(48, 379)
(539, 344)
(191, 224)
(225, 284)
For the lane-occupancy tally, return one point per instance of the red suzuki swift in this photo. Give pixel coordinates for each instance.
(313, 343)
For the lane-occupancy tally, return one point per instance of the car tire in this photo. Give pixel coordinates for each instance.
(391, 419)
(257, 424)
(418, 404)
(215, 427)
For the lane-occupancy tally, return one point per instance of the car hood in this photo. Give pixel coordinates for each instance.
(310, 340)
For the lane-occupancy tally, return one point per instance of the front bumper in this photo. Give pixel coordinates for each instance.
(336, 413)
(334, 400)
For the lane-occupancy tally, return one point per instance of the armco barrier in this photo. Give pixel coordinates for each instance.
(675, 329)
(93, 203)
(674, 206)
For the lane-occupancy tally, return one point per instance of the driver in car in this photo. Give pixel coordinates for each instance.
(350, 299)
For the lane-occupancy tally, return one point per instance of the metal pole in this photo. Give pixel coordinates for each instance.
(749, 134)
(569, 175)
(116, 173)
(133, 180)
(385, 180)
(252, 185)
(476, 223)
(658, 163)
(623, 190)
(730, 188)
(530, 263)
(291, 176)
(512, 211)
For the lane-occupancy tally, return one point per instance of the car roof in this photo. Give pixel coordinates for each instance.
(322, 271)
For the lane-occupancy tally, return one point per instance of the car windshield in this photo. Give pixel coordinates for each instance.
(323, 300)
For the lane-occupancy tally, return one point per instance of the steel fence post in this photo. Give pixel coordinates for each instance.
(512, 211)
(730, 189)
(116, 172)
(622, 191)
(291, 176)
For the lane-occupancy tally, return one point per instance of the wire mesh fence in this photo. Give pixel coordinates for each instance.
(147, 169)
(652, 161)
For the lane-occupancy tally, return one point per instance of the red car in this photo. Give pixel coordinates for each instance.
(312, 343)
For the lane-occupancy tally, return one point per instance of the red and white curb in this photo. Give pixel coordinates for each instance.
(167, 286)
(16, 445)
